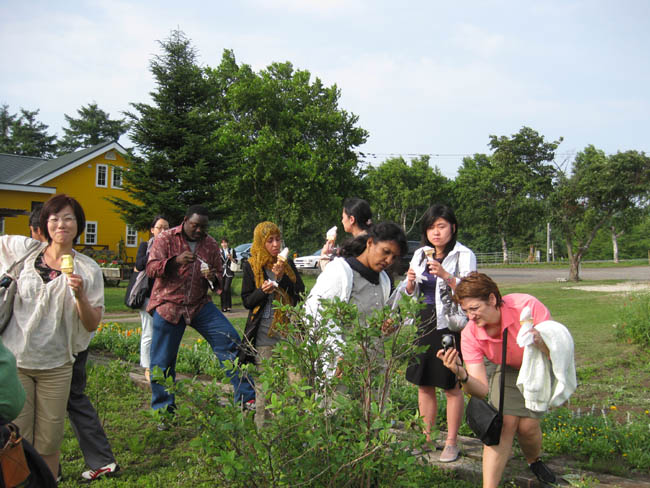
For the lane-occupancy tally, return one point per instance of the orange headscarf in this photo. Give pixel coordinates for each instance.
(260, 259)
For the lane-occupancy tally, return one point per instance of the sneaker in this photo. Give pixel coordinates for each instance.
(543, 473)
(449, 454)
(250, 405)
(93, 474)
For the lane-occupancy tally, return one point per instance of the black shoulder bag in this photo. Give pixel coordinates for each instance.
(485, 420)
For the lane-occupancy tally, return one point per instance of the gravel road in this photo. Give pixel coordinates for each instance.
(524, 275)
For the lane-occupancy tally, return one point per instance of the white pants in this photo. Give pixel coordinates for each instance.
(147, 334)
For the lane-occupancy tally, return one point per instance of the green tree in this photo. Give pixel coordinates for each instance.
(290, 146)
(175, 165)
(92, 127)
(401, 192)
(24, 135)
(597, 189)
(504, 193)
(7, 121)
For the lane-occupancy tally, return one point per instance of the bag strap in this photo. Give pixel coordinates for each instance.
(12, 269)
(504, 346)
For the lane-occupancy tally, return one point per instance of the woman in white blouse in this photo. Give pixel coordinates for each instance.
(53, 318)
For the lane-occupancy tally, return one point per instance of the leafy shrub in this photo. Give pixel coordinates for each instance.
(321, 430)
(635, 319)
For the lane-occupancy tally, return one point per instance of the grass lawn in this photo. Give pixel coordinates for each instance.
(610, 372)
(114, 295)
(612, 375)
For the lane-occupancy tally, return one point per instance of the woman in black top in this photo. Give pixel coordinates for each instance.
(158, 224)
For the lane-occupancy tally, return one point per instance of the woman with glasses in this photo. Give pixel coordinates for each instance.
(54, 315)
(490, 315)
(158, 225)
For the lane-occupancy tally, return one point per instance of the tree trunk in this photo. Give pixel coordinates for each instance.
(615, 237)
(574, 262)
(504, 246)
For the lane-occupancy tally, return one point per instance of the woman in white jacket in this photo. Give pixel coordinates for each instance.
(358, 276)
(440, 262)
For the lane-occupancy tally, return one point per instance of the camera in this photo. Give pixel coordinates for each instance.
(5, 281)
(448, 341)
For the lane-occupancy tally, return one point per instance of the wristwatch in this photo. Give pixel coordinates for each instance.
(466, 377)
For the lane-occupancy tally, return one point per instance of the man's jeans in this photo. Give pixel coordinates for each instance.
(217, 331)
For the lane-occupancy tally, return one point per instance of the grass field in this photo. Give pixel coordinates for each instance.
(610, 372)
(612, 375)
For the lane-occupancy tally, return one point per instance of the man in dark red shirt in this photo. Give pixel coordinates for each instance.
(184, 261)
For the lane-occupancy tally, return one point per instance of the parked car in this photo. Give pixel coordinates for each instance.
(310, 261)
(243, 252)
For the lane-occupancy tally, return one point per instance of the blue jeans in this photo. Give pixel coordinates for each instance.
(217, 331)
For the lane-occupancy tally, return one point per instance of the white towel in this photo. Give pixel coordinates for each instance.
(545, 383)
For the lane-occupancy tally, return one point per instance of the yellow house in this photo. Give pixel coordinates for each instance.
(89, 175)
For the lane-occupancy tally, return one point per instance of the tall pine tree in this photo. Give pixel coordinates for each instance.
(92, 127)
(24, 135)
(175, 165)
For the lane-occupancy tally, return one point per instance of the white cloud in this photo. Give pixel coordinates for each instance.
(313, 7)
(477, 40)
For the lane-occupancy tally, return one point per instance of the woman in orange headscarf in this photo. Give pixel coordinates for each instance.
(266, 279)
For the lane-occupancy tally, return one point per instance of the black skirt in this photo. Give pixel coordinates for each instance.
(426, 369)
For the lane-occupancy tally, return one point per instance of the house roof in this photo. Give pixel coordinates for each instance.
(12, 166)
(49, 169)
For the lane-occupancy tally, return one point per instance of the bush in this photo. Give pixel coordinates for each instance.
(322, 430)
(635, 319)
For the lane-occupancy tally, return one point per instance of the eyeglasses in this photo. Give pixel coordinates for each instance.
(67, 220)
(160, 227)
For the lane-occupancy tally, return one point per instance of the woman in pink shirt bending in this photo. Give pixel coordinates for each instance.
(489, 314)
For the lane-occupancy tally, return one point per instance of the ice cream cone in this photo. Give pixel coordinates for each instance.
(284, 255)
(67, 264)
(205, 269)
(430, 253)
(67, 268)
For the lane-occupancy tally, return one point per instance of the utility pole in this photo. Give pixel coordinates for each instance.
(548, 242)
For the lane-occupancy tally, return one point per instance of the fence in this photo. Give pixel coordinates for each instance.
(487, 258)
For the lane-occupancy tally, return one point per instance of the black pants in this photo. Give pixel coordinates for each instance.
(85, 421)
(226, 293)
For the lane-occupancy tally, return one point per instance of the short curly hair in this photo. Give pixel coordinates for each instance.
(477, 285)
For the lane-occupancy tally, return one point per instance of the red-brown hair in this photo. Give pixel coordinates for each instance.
(477, 285)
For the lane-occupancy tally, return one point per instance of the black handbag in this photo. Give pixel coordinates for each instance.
(485, 420)
(136, 292)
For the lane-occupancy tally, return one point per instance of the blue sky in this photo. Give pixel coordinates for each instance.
(424, 77)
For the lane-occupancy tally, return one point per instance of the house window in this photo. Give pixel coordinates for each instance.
(102, 175)
(2, 225)
(131, 236)
(90, 236)
(110, 155)
(117, 177)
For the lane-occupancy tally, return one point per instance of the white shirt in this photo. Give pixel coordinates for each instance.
(45, 330)
(459, 257)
